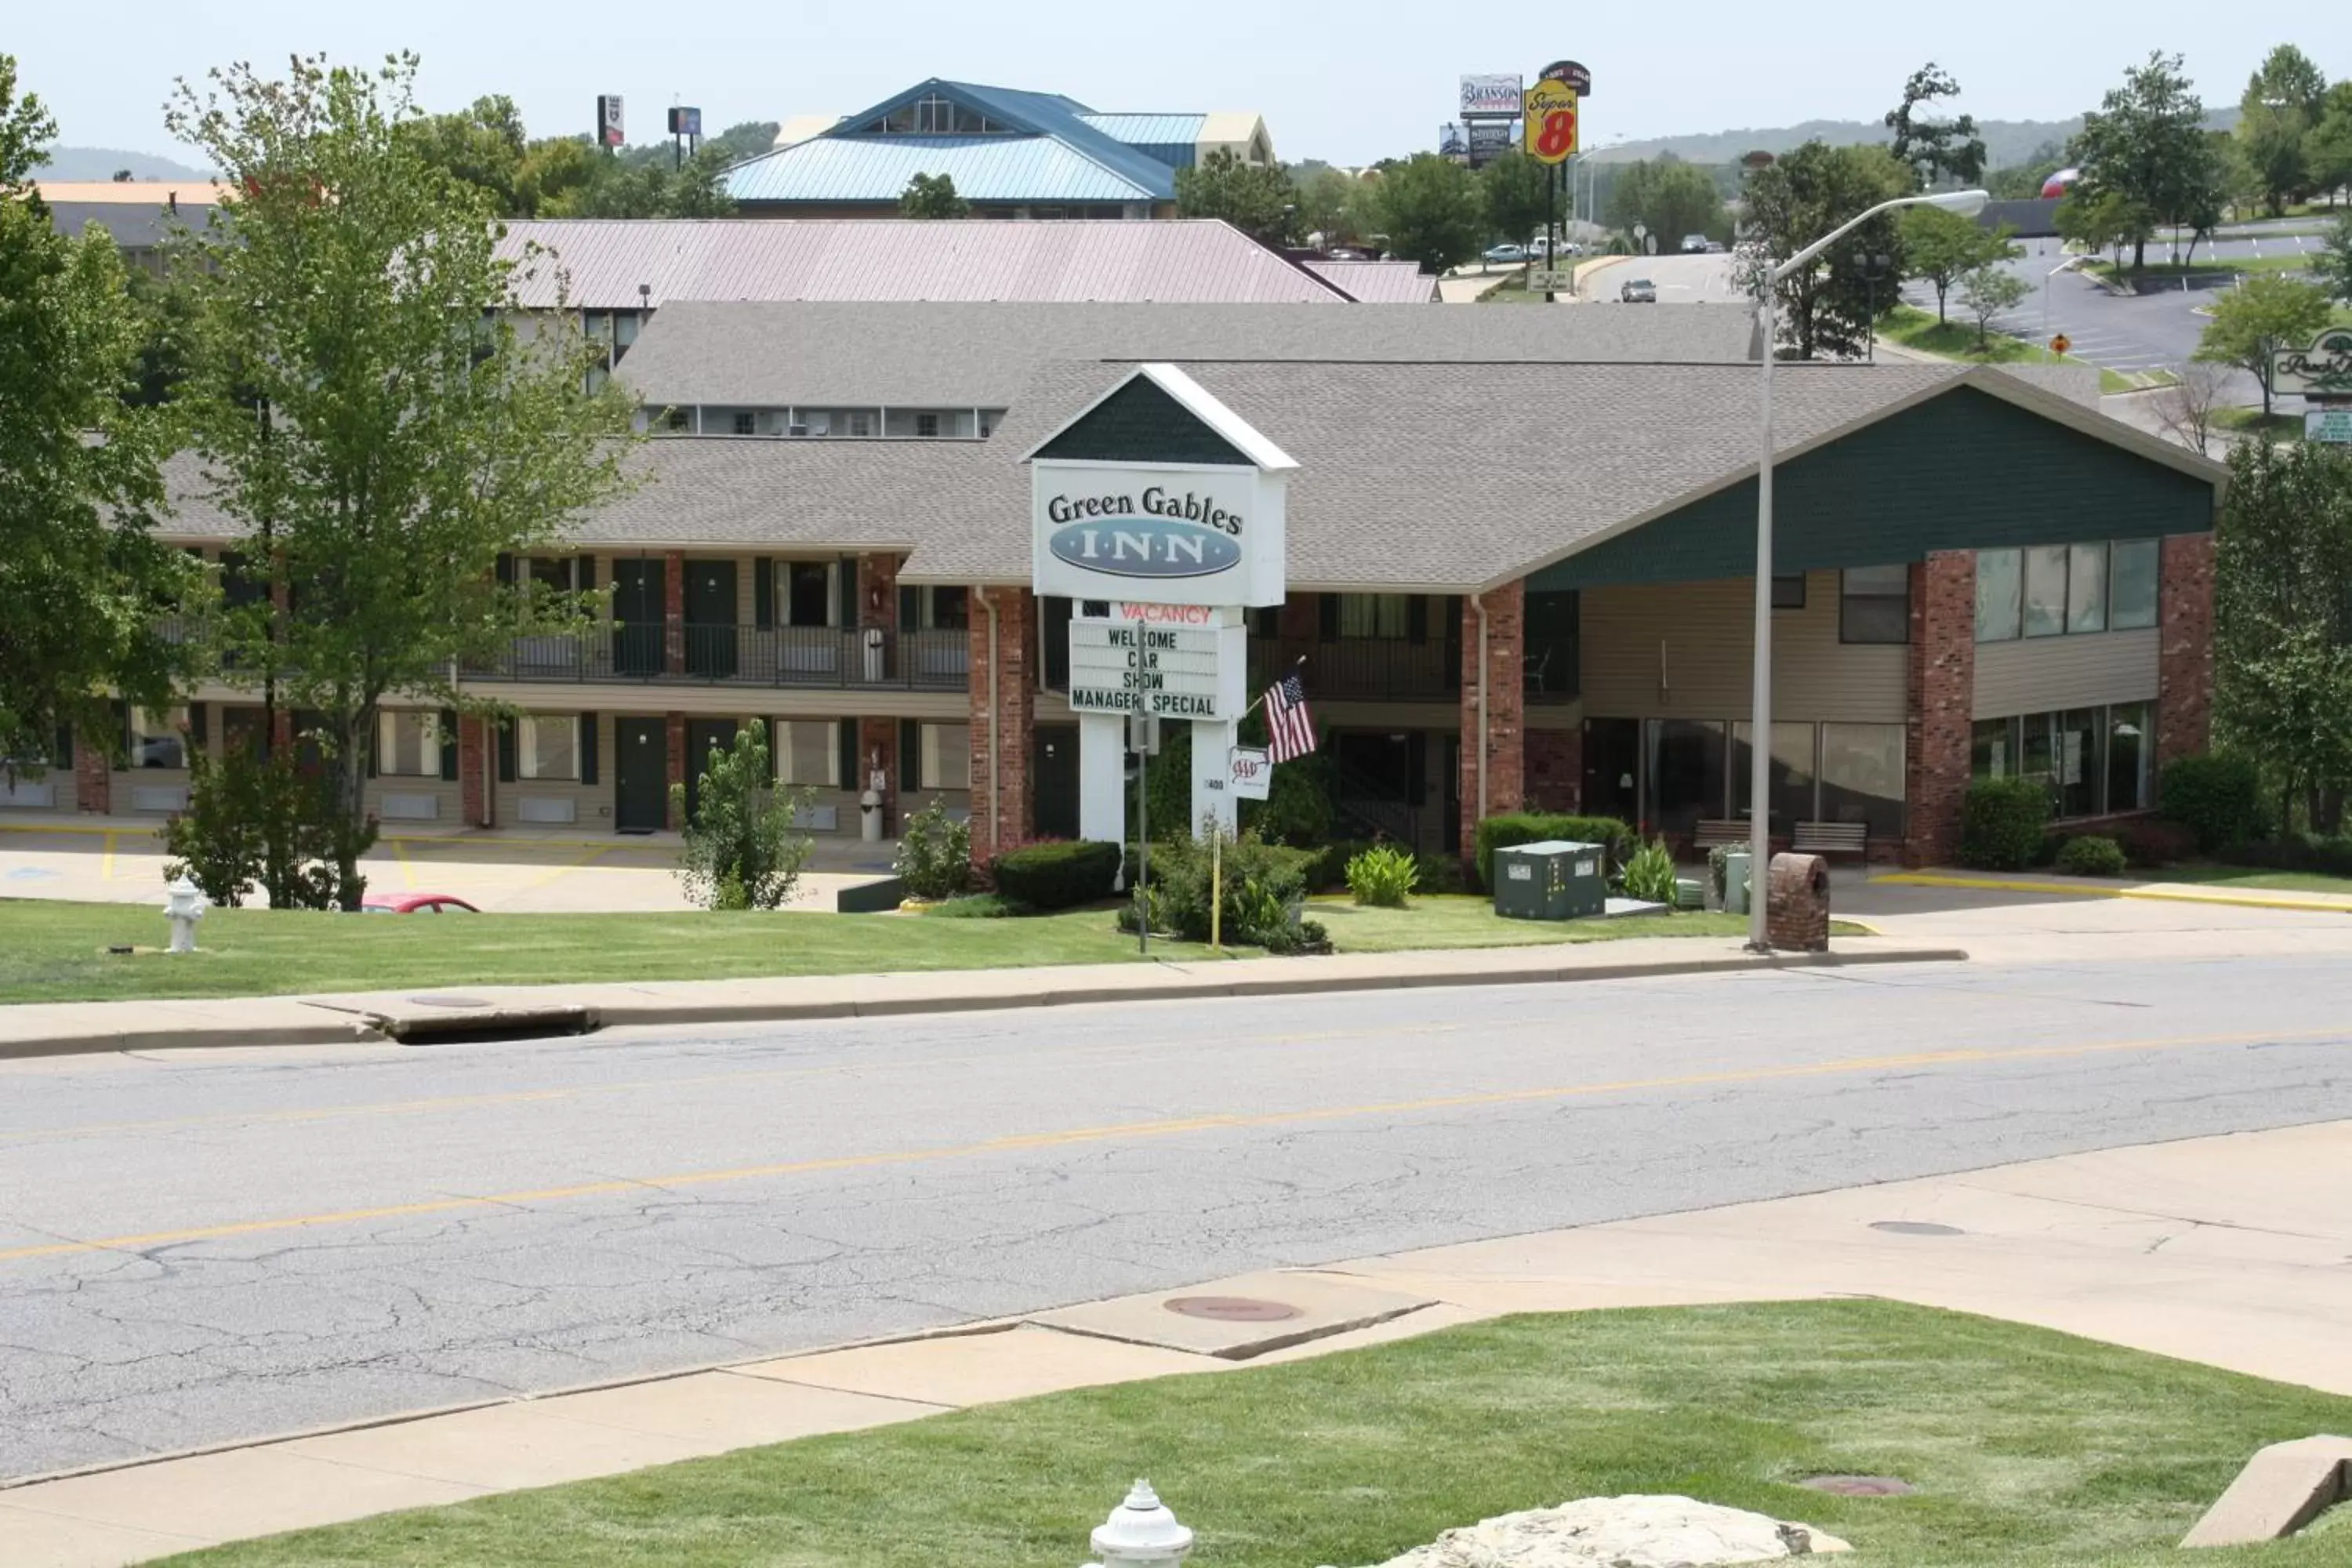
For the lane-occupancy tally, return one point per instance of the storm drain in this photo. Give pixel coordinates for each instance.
(1231, 1308)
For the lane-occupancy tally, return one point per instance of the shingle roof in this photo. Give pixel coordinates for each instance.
(982, 355)
(602, 260)
(1378, 282)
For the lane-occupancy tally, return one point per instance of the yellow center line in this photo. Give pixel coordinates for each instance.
(1133, 1131)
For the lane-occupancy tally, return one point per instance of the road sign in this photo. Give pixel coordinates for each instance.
(1543, 280)
(1551, 116)
(1143, 734)
(2333, 425)
(1252, 772)
(2061, 343)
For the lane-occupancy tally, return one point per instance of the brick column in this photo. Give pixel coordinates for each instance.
(878, 592)
(2184, 678)
(674, 617)
(878, 747)
(473, 769)
(1506, 696)
(1555, 769)
(1003, 813)
(1939, 705)
(675, 727)
(93, 777)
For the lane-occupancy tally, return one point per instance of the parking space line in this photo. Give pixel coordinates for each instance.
(106, 866)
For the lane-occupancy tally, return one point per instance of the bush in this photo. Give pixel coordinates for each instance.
(2324, 856)
(1297, 809)
(1382, 876)
(934, 857)
(1263, 884)
(1534, 826)
(1326, 865)
(2091, 855)
(2217, 796)
(975, 907)
(270, 823)
(2148, 843)
(2001, 822)
(741, 851)
(1438, 873)
(1650, 874)
(1055, 876)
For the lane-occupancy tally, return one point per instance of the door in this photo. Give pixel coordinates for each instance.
(1055, 771)
(711, 619)
(640, 774)
(640, 594)
(703, 736)
(1612, 768)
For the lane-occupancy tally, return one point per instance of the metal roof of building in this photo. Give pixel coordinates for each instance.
(1145, 129)
(833, 168)
(1377, 282)
(602, 260)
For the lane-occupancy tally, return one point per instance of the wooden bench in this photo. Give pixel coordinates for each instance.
(1720, 833)
(1830, 838)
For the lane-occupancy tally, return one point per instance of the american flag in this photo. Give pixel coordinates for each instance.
(1290, 729)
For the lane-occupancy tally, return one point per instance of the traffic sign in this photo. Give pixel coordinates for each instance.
(2061, 343)
(1549, 110)
(1543, 280)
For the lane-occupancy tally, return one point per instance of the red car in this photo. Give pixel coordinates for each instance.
(415, 904)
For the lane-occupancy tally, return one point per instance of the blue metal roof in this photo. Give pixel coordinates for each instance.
(1145, 129)
(992, 169)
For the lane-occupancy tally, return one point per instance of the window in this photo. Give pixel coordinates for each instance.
(2131, 598)
(408, 743)
(1791, 789)
(988, 421)
(2128, 757)
(1862, 776)
(810, 753)
(550, 573)
(678, 419)
(2094, 760)
(942, 609)
(1686, 773)
(861, 423)
(746, 424)
(156, 741)
(947, 756)
(810, 597)
(1992, 749)
(2045, 591)
(625, 331)
(927, 425)
(1874, 605)
(2086, 588)
(1375, 614)
(1789, 591)
(2078, 747)
(2000, 585)
(547, 747)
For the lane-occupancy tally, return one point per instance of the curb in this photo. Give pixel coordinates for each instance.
(2152, 893)
(511, 1018)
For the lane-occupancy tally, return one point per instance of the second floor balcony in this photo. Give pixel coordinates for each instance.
(705, 655)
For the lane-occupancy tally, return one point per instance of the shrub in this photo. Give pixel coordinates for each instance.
(934, 857)
(974, 907)
(1438, 873)
(1326, 865)
(2325, 856)
(1650, 874)
(267, 822)
(1534, 826)
(1056, 876)
(2091, 855)
(2001, 822)
(741, 851)
(2217, 796)
(1297, 809)
(1264, 883)
(1381, 876)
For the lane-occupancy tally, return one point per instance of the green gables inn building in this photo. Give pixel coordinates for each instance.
(1514, 581)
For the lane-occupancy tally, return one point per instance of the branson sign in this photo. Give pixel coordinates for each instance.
(1174, 535)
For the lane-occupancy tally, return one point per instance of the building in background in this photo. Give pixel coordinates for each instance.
(138, 213)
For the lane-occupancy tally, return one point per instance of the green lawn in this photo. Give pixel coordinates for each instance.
(1956, 339)
(2254, 422)
(56, 951)
(2030, 1449)
(2226, 267)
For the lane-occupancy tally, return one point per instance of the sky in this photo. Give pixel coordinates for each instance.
(1343, 83)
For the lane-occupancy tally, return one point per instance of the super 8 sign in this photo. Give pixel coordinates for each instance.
(1549, 113)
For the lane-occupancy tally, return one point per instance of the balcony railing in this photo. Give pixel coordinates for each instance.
(741, 655)
(1363, 670)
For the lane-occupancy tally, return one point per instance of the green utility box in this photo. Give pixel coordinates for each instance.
(1554, 880)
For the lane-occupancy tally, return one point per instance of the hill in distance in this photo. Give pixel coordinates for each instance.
(2008, 142)
(101, 163)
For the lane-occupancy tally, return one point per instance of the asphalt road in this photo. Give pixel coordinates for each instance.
(196, 1248)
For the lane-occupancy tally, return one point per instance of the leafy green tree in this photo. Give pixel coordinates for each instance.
(1517, 191)
(2334, 264)
(741, 851)
(2147, 144)
(1987, 291)
(1326, 203)
(1935, 148)
(2329, 151)
(2287, 76)
(2265, 314)
(2274, 141)
(2282, 620)
(746, 139)
(80, 576)
(1668, 197)
(364, 397)
(483, 143)
(1430, 211)
(1825, 308)
(2023, 182)
(2107, 221)
(1941, 247)
(932, 196)
(1256, 198)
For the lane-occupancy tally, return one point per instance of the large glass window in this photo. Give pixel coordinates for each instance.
(1992, 749)
(1374, 614)
(810, 753)
(547, 746)
(2045, 591)
(2077, 746)
(947, 756)
(2086, 588)
(156, 738)
(1686, 773)
(2127, 756)
(2131, 602)
(1790, 771)
(1874, 605)
(1862, 776)
(2000, 593)
(408, 743)
(945, 609)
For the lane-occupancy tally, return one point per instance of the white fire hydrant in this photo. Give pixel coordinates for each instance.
(1141, 1533)
(184, 906)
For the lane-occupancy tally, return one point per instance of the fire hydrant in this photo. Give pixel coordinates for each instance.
(1141, 1533)
(184, 906)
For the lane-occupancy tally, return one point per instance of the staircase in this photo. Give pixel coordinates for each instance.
(1365, 808)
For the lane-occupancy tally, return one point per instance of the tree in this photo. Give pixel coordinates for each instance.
(1795, 200)
(1326, 203)
(1517, 192)
(1941, 247)
(2274, 139)
(2147, 144)
(483, 143)
(80, 574)
(2023, 182)
(2334, 264)
(2108, 221)
(2186, 406)
(746, 139)
(1255, 198)
(1430, 211)
(1987, 291)
(1668, 197)
(741, 851)
(364, 397)
(2265, 314)
(2328, 153)
(1935, 148)
(932, 196)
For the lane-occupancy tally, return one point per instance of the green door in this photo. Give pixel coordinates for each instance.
(639, 589)
(640, 774)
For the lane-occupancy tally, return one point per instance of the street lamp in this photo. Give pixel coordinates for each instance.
(1874, 269)
(1967, 204)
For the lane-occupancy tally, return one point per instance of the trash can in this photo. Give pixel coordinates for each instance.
(1553, 881)
(1735, 881)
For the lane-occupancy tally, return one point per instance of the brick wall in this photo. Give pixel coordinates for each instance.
(1555, 769)
(1940, 704)
(674, 730)
(674, 617)
(877, 592)
(93, 777)
(1001, 809)
(1505, 693)
(2184, 680)
(473, 770)
(878, 747)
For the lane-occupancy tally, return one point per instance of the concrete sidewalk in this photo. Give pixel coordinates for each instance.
(61, 1028)
(2226, 1250)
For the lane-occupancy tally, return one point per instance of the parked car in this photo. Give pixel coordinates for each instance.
(1507, 256)
(415, 904)
(1694, 245)
(1714, 247)
(1638, 291)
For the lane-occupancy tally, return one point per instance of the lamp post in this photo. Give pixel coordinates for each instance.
(1759, 727)
(1874, 269)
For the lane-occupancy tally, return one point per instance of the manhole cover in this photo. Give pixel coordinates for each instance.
(450, 1001)
(1914, 1228)
(1860, 1486)
(1231, 1308)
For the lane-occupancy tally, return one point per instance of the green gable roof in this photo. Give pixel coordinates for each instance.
(1141, 423)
